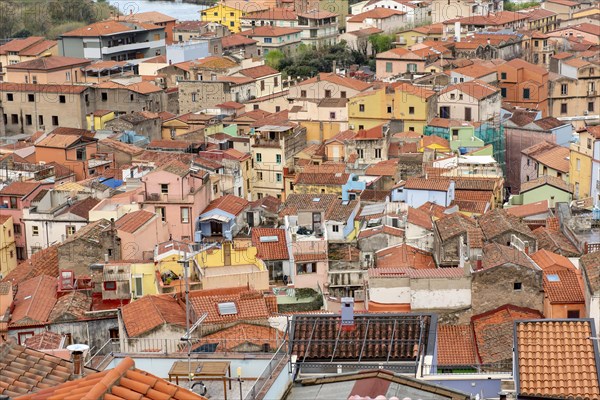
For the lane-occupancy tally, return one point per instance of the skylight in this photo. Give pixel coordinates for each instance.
(553, 278)
(316, 199)
(227, 308)
(269, 239)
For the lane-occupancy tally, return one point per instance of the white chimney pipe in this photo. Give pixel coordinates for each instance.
(457, 31)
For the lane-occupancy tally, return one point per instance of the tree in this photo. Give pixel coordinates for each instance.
(381, 42)
(274, 58)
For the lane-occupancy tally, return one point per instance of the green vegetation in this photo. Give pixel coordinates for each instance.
(49, 18)
(274, 58)
(309, 62)
(381, 42)
(508, 6)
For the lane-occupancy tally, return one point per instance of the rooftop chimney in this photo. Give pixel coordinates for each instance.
(77, 351)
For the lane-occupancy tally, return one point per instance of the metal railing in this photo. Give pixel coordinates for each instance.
(498, 368)
(257, 391)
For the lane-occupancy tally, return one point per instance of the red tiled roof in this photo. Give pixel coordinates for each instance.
(563, 287)
(497, 222)
(133, 221)
(19, 188)
(456, 345)
(494, 332)
(526, 210)
(122, 382)
(242, 334)
(43, 262)
(336, 179)
(251, 305)
(82, 208)
(420, 218)
(150, 312)
(337, 80)
(403, 256)
(453, 224)
(102, 28)
(229, 203)
(270, 250)
(557, 359)
(385, 229)
(425, 273)
(143, 87)
(383, 168)
(44, 341)
(556, 242)
(496, 255)
(475, 88)
(258, 72)
(50, 63)
(375, 13)
(440, 185)
(236, 40)
(549, 261)
(34, 301)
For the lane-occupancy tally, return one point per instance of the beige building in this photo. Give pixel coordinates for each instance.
(443, 10)
(328, 85)
(55, 70)
(564, 9)
(267, 81)
(574, 89)
(19, 50)
(8, 248)
(286, 40)
(28, 108)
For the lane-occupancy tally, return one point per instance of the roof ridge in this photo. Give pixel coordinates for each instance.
(109, 380)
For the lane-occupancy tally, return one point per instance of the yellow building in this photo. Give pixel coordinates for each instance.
(370, 109)
(580, 165)
(413, 36)
(233, 264)
(143, 279)
(100, 118)
(230, 13)
(8, 248)
(413, 105)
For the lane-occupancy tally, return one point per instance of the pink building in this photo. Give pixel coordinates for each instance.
(311, 263)
(177, 195)
(13, 199)
(139, 232)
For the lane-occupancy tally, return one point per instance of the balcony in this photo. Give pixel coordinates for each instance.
(168, 198)
(133, 46)
(591, 93)
(267, 143)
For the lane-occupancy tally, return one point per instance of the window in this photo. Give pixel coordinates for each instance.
(262, 85)
(267, 39)
(68, 76)
(185, 215)
(80, 153)
(194, 97)
(278, 158)
(31, 98)
(328, 93)
(503, 92)
(275, 81)
(110, 285)
(306, 268)
(259, 176)
(578, 164)
(411, 67)
(62, 99)
(467, 113)
(259, 195)
(572, 313)
(104, 96)
(361, 107)
(411, 110)
(14, 118)
(258, 157)
(335, 228)
(503, 75)
(278, 177)
(138, 289)
(517, 286)
(590, 106)
(55, 120)
(9, 97)
(389, 109)
(526, 93)
(164, 188)
(28, 119)
(536, 43)
(388, 67)
(343, 94)
(361, 127)
(35, 230)
(377, 153)
(563, 108)
(162, 212)
(303, 93)
(215, 188)
(360, 153)
(564, 89)
(70, 230)
(17, 229)
(332, 115)
(454, 134)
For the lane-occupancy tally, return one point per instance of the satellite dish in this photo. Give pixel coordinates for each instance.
(78, 347)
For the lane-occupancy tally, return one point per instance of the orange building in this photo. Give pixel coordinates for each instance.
(523, 84)
(563, 286)
(75, 151)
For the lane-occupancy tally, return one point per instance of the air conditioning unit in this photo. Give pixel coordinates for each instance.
(351, 126)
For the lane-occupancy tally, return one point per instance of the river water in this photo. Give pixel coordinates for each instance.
(177, 9)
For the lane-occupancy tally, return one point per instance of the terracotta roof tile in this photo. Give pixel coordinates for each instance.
(18, 45)
(43, 262)
(335, 179)
(472, 206)
(258, 72)
(375, 13)
(556, 158)
(102, 28)
(236, 40)
(143, 87)
(527, 210)
(34, 301)
(71, 307)
(45, 341)
(556, 242)
(81, 208)
(496, 255)
(414, 90)
(563, 287)
(497, 222)
(476, 88)
(49, 63)
(237, 337)
(456, 345)
(384, 229)
(420, 218)
(150, 312)
(228, 203)
(403, 256)
(435, 210)
(494, 332)
(557, 359)
(19, 188)
(452, 225)
(440, 185)
(273, 249)
(546, 180)
(250, 304)
(413, 273)
(338, 80)
(122, 147)
(295, 202)
(383, 168)
(27, 370)
(120, 383)
(133, 221)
